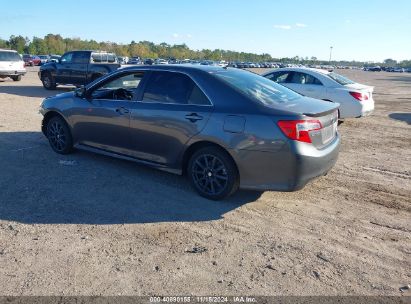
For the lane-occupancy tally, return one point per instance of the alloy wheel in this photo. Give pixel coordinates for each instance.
(57, 136)
(210, 174)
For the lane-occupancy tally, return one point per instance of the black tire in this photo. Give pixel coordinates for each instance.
(59, 135)
(212, 173)
(16, 77)
(48, 81)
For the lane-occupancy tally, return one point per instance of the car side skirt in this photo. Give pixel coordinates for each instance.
(128, 158)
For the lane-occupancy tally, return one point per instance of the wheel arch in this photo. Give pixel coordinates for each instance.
(194, 147)
(49, 115)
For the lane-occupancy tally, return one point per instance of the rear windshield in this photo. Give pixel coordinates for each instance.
(9, 56)
(103, 57)
(340, 79)
(257, 87)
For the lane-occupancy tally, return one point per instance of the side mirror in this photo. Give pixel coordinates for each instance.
(80, 92)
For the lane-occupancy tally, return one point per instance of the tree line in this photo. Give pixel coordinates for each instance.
(56, 44)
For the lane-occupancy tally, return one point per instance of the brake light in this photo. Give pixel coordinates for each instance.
(299, 129)
(359, 96)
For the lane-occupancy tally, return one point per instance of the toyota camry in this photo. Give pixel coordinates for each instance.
(224, 128)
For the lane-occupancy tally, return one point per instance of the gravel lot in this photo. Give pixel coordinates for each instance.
(101, 226)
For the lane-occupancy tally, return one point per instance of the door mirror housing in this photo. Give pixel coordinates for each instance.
(80, 92)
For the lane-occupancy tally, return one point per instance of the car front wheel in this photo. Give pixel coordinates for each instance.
(213, 173)
(59, 135)
(48, 81)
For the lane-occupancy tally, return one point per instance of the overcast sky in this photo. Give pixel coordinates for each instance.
(357, 29)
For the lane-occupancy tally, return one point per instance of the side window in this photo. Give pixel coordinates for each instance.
(312, 80)
(122, 87)
(171, 87)
(303, 78)
(197, 97)
(279, 77)
(81, 57)
(67, 58)
(297, 78)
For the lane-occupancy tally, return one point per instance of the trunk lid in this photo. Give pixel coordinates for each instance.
(305, 106)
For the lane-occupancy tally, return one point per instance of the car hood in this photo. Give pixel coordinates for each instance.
(305, 106)
(60, 96)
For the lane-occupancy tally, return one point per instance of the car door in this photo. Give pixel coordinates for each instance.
(171, 110)
(79, 66)
(104, 122)
(63, 72)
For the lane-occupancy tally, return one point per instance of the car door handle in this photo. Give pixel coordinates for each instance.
(193, 117)
(122, 111)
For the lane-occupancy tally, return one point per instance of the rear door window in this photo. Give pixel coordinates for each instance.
(279, 77)
(81, 57)
(303, 78)
(174, 88)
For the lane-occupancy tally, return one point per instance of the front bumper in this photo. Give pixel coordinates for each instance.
(286, 170)
(13, 72)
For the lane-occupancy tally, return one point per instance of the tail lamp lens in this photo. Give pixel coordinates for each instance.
(299, 129)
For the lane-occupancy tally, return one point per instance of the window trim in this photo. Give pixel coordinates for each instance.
(140, 92)
(143, 89)
(120, 74)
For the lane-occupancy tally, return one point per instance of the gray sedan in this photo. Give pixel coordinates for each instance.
(224, 128)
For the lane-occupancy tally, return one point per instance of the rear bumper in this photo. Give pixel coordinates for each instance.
(287, 170)
(367, 107)
(12, 72)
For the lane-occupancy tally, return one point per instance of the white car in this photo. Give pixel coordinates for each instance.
(11, 65)
(355, 99)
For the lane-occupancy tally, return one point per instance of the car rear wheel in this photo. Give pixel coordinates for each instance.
(16, 78)
(59, 135)
(212, 173)
(48, 81)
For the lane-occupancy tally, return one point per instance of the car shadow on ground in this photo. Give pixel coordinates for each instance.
(31, 90)
(42, 187)
(406, 117)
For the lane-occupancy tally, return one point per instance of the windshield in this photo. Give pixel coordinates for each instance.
(340, 79)
(264, 90)
(9, 56)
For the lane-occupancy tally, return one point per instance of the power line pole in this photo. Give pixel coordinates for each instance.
(331, 51)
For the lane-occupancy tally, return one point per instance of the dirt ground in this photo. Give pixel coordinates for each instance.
(101, 226)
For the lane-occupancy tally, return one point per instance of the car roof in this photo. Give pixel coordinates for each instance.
(176, 67)
(320, 71)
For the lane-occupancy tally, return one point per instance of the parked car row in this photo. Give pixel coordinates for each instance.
(32, 60)
(386, 69)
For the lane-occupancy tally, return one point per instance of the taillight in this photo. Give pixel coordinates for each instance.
(359, 96)
(299, 129)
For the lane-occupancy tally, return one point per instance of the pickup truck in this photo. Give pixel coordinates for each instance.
(77, 68)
